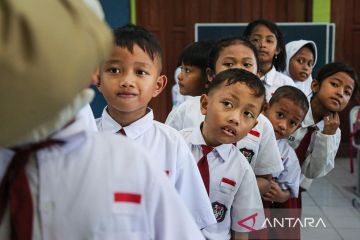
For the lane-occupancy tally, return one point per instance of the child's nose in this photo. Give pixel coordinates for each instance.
(180, 76)
(127, 81)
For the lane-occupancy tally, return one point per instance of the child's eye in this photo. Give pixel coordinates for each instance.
(334, 84)
(254, 40)
(228, 64)
(187, 70)
(141, 72)
(227, 104)
(270, 41)
(280, 115)
(348, 93)
(248, 65)
(249, 114)
(293, 123)
(301, 61)
(113, 70)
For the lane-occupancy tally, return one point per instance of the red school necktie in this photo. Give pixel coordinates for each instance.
(122, 131)
(304, 145)
(15, 189)
(203, 166)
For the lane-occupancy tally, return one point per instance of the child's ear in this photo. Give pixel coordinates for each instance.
(204, 102)
(315, 86)
(210, 74)
(161, 82)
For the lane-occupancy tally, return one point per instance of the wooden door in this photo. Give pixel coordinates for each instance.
(346, 15)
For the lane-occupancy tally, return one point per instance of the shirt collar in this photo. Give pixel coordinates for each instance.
(133, 130)
(223, 150)
(309, 119)
(269, 77)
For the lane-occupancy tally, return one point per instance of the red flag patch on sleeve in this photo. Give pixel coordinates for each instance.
(254, 133)
(127, 197)
(228, 181)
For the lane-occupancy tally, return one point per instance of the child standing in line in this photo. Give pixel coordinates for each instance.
(300, 60)
(234, 100)
(286, 110)
(60, 179)
(317, 140)
(194, 60)
(269, 41)
(259, 146)
(129, 79)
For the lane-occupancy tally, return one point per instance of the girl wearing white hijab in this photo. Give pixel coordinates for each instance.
(300, 60)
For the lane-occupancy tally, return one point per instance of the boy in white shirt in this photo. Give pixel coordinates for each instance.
(259, 145)
(129, 79)
(60, 179)
(234, 100)
(286, 110)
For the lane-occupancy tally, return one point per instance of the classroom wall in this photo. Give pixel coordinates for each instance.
(117, 13)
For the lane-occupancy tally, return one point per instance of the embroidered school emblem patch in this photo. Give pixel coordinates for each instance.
(219, 210)
(248, 153)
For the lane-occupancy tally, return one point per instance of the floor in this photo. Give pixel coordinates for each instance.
(331, 199)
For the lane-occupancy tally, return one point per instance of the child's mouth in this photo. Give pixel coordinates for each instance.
(229, 131)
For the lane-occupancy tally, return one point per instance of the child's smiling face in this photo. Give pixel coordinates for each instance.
(334, 92)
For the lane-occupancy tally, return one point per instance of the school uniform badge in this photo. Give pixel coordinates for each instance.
(248, 153)
(219, 210)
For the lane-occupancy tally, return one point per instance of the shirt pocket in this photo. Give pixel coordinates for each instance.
(126, 221)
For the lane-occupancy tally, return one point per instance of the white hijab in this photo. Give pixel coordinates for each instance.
(291, 49)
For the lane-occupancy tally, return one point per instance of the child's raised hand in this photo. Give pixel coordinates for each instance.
(331, 123)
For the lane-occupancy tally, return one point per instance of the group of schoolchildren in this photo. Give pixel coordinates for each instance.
(253, 134)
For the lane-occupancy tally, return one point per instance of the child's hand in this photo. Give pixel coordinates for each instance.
(276, 194)
(331, 123)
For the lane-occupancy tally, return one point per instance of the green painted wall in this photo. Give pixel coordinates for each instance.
(321, 10)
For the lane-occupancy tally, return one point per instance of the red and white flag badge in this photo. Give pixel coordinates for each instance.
(228, 183)
(254, 133)
(124, 197)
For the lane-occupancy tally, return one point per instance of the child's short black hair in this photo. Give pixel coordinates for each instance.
(335, 67)
(196, 54)
(235, 75)
(293, 94)
(225, 42)
(280, 60)
(129, 35)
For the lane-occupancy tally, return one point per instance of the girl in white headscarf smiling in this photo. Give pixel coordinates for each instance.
(301, 58)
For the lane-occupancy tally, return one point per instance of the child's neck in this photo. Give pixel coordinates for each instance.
(265, 68)
(126, 118)
(317, 109)
(207, 136)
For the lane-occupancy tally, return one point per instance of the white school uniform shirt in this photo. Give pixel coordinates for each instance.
(258, 146)
(99, 186)
(291, 49)
(233, 189)
(273, 80)
(289, 178)
(87, 115)
(321, 152)
(169, 152)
